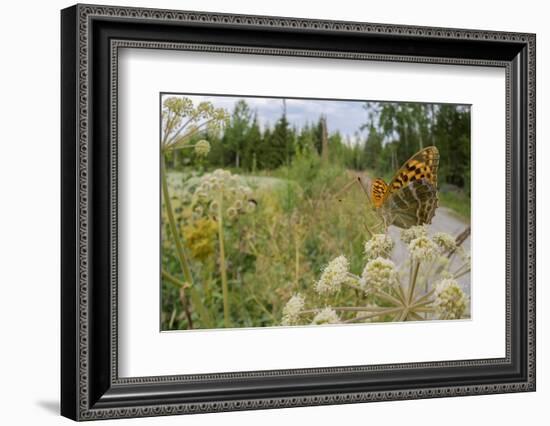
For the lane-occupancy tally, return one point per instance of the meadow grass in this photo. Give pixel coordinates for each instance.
(297, 227)
(456, 201)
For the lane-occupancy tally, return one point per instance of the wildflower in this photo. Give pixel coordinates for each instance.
(326, 316)
(379, 273)
(238, 205)
(423, 249)
(202, 148)
(221, 186)
(200, 238)
(222, 174)
(333, 276)
(407, 235)
(214, 205)
(232, 212)
(380, 245)
(245, 190)
(450, 300)
(202, 194)
(198, 210)
(446, 242)
(292, 309)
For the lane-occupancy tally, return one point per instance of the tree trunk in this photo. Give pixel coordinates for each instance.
(324, 140)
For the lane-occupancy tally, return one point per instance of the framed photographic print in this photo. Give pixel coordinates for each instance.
(263, 212)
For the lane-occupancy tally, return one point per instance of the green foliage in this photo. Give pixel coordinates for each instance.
(458, 201)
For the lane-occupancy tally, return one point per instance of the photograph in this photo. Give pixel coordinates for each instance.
(282, 211)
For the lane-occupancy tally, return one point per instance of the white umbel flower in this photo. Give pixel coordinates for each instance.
(326, 316)
(202, 148)
(407, 235)
(380, 245)
(333, 276)
(292, 309)
(423, 249)
(378, 274)
(450, 299)
(221, 185)
(446, 242)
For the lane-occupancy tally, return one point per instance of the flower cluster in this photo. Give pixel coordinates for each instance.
(450, 300)
(202, 148)
(414, 232)
(200, 238)
(385, 290)
(182, 121)
(222, 192)
(333, 276)
(380, 245)
(445, 241)
(423, 249)
(292, 309)
(326, 316)
(378, 274)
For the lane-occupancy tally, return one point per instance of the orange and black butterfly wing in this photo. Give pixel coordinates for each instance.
(411, 197)
(379, 189)
(421, 166)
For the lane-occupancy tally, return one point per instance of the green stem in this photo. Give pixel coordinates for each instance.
(296, 261)
(388, 298)
(374, 315)
(173, 228)
(461, 274)
(461, 271)
(422, 309)
(195, 297)
(416, 317)
(403, 315)
(223, 268)
(401, 294)
(172, 280)
(412, 285)
(424, 299)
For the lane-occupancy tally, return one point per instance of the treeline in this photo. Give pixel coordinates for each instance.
(244, 145)
(392, 133)
(396, 131)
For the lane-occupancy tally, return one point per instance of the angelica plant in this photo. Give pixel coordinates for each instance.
(182, 121)
(384, 291)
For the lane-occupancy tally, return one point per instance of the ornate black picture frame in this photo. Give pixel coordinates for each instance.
(91, 36)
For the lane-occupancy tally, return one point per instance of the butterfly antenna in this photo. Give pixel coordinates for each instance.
(344, 190)
(356, 180)
(365, 188)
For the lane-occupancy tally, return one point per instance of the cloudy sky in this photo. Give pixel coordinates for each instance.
(343, 116)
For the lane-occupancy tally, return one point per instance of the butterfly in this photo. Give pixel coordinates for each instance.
(411, 196)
